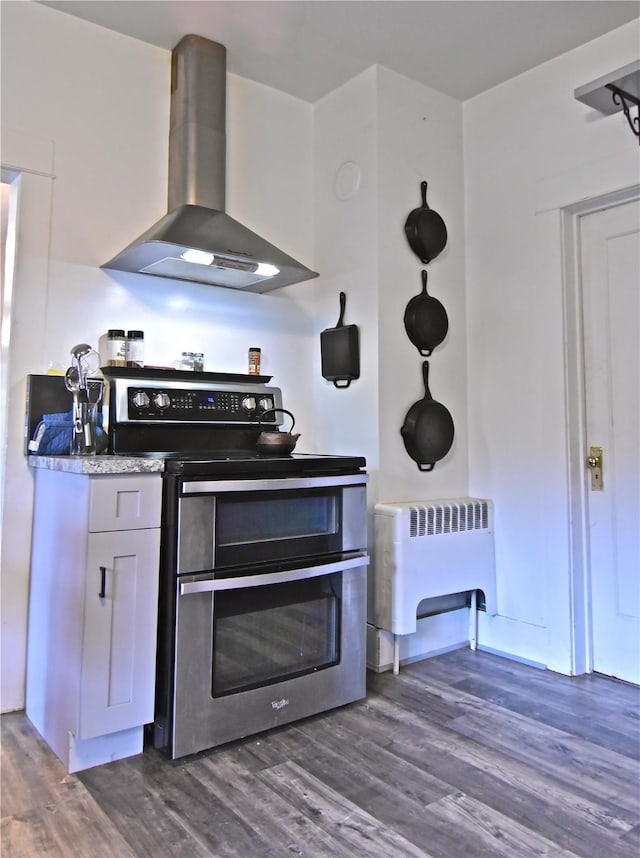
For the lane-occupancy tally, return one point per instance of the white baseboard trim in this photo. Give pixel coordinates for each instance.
(513, 657)
(383, 668)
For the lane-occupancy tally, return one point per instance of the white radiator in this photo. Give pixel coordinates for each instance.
(427, 549)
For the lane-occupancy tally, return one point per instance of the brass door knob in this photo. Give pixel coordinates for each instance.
(594, 463)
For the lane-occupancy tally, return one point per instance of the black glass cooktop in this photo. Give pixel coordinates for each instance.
(235, 462)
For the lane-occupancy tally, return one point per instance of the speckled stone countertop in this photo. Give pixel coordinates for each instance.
(97, 464)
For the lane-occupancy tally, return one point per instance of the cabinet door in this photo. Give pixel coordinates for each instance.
(119, 639)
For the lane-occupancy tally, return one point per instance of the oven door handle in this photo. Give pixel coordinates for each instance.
(211, 585)
(217, 486)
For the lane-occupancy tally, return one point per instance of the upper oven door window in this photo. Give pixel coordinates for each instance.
(255, 527)
(225, 529)
(247, 518)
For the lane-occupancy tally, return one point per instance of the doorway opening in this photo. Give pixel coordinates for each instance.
(8, 207)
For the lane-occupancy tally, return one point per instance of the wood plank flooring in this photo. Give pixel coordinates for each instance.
(462, 756)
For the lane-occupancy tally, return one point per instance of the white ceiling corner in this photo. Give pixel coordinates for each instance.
(307, 48)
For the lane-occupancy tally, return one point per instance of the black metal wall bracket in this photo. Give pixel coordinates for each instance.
(618, 90)
(626, 100)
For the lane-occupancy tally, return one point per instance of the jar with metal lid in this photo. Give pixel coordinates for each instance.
(135, 348)
(116, 347)
(254, 361)
(192, 361)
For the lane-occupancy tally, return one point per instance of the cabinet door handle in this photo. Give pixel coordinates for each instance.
(103, 582)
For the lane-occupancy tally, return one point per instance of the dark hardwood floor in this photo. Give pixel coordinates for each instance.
(463, 755)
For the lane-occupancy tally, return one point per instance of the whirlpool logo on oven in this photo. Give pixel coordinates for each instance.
(280, 704)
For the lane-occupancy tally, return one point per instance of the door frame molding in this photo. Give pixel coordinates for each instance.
(28, 163)
(575, 408)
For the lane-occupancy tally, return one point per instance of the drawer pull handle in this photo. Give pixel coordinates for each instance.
(103, 582)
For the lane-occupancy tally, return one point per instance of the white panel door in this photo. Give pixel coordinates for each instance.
(119, 641)
(610, 266)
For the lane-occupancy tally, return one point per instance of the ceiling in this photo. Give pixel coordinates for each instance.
(307, 48)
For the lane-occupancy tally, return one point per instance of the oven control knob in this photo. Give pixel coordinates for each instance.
(140, 399)
(161, 400)
(249, 403)
(266, 404)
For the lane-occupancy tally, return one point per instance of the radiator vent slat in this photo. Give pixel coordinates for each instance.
(413, 522)
(434, 519)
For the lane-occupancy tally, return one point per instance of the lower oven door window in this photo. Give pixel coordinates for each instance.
(262, 635)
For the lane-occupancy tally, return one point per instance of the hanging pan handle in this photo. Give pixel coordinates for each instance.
(343, 303)
(423, 191)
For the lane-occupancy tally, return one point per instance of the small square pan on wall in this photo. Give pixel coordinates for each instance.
(340, 351)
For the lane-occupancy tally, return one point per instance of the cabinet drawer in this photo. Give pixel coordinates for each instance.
(125, 503)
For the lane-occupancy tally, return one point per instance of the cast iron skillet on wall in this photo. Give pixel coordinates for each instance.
(427, 431)
(425, 320)
(425, 230)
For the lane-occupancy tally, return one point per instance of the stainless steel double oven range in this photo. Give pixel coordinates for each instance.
(262, 612)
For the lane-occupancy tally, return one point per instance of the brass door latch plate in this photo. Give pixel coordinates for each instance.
(594, 463)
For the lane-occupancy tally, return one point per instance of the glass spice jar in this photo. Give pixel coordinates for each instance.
(116, 347)
(135, 348)
(192, 361)
(254, 361)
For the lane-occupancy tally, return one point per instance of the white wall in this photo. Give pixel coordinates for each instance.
(101, 102)
(529, 150)
(346, 191)
(419, 138)
(391, 133)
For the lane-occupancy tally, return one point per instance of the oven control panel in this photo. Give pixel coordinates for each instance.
(197, 403)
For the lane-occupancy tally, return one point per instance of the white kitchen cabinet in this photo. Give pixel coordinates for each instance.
(93, 613)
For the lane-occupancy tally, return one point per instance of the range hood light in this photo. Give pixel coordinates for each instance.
(260, 269)
(199, 257)
(266, 270)
(202, 257)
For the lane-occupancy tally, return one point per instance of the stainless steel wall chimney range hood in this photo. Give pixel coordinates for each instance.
(196, 240)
